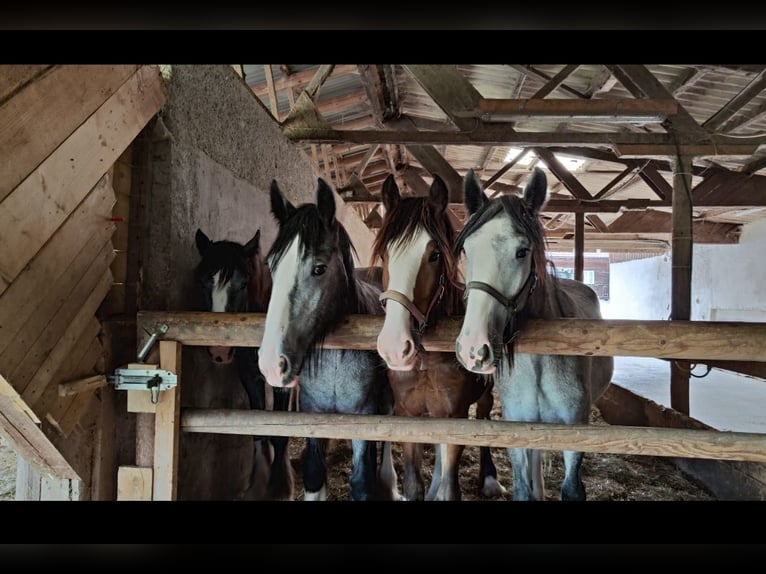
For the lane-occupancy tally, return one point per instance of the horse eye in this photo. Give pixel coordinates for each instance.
(521, 253)
(434, 256)
(319, 269)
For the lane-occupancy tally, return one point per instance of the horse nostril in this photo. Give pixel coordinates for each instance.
(282, 364)
(484, 354)
(219, 359)
(407, 348)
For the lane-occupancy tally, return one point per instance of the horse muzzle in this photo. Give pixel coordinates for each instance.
(221, 355)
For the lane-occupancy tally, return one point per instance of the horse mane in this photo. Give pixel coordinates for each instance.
(400, 226)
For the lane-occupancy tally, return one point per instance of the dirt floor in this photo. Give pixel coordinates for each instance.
(606, 476)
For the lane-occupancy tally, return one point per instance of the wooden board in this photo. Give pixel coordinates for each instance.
(593, 337)
(134, 483)
(33, 351)
(81, 403)
(37, 119)
(167, 426)
(27, 439)
(34, 388)
(54, 313)
(51, 405)
(66, 176)
(88, 225)
(13, 77)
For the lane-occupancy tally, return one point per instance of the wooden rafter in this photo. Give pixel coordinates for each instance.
(522, 69)
(755, 87)
(556, 81)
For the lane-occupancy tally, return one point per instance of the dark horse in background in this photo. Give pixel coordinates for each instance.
(234, 278)
(415, 244)
(507, 282)
(315, 287)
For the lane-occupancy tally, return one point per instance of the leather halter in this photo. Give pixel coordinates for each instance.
(402, 299)
(510, 303)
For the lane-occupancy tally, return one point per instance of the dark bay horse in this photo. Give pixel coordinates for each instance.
(234, 278)
(507, 282)
(315, 287)
(415, 245)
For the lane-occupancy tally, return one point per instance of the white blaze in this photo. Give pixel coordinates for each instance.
(482, 264)
(278, 315)
(403, 265)
(219, 295)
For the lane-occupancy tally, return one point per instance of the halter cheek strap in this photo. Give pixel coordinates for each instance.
(403, 300)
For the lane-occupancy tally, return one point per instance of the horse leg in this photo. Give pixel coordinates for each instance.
(449, 486)
(363, 469)
(488, 483)
(527, 474)
(412, 481)
(282, 479)
(436, 478)
(572, 488)
(387, 475)
(254, 385)
(315, 470)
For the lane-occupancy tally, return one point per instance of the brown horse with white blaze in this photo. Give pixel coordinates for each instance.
(415, 245)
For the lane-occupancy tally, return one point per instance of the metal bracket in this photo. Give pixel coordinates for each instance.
(152, 380)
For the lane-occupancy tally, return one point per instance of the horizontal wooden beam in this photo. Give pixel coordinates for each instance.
(621, 110)
(685, 443)
(630, 338)
(639, 143)
(301, 79)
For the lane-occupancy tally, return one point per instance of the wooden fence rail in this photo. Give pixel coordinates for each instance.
(691, 340)
(674, 442)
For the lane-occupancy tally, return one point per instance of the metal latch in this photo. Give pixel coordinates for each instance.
(152, 380)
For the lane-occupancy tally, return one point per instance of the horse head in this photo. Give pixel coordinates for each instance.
(414, 245)
(504, 248)
(312, 270)
(227, 278)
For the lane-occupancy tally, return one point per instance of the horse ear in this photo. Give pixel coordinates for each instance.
(251, 247)
(438, 195)
(326, 202)
(203, 242)
(280, 206)
(390, 193)
(536, 191)
(473, 194)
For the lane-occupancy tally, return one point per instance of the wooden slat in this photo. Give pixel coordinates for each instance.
(712, 340)
(38, 206)
(167, 426)
(687, 443)
(134, 483)
(13, 77)
(82, 385)
(27, 438)
(24, 356)
(577, 109)
(33, 389)
(87, 226)
(449, 89)
(51, 406)
(27, 481)
(41, 116)
(80, 404)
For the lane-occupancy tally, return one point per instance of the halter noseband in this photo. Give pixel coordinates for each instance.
(510, 303)
(403, 300)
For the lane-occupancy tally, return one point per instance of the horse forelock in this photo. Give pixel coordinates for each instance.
(399, 229)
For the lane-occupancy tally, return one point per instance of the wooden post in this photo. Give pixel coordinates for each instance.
(579, 255)
(167, 426)
(681, 276)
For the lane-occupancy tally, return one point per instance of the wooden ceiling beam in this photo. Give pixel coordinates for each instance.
(565, 176)
(556, 81)
(604, 193)
(529, 70)
(617, 110)
(449, 90)
(730, 108)
(300, 80)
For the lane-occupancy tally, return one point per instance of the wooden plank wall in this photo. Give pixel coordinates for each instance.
(65, 136)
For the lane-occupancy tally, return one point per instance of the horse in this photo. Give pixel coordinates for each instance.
(507, 283)
(420, 281)
(315, 287)
(234, 278)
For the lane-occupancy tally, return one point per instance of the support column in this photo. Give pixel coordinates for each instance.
(681, 276)
(579, 254)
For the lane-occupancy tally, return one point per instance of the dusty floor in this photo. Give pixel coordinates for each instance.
(606, 476)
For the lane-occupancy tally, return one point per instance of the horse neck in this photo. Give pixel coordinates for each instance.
(259, 285)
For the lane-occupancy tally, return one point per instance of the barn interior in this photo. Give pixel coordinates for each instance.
(657, 170)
